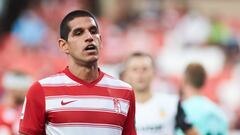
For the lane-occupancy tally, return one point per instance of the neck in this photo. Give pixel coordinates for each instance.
(86, 73)
(143, 96)
(190, 92)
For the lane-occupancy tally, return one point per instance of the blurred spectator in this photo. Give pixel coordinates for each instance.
(8, 15)
(229, 96)
(191, 30)
(15, 85)
(220, 33)
(30, 27)
(222, 36)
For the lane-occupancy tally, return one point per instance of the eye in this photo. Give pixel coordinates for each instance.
(134, 69)
(144, 68)
(78, 32)
(93, 30)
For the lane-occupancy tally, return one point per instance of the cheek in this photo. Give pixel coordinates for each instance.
(129, 77)
(76, 46)
(150, 74)
(133, 75)
(137, 79)
(98, 41)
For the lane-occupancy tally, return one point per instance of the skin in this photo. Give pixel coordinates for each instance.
(188, 90)
(82, 63)
(139, 73)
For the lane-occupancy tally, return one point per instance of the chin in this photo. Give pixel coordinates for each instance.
(92, 60)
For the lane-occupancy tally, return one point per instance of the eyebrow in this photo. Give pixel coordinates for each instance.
(80, 28)
(93, 26)
(77, 29)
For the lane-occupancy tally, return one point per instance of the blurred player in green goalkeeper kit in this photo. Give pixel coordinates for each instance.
(205, 116)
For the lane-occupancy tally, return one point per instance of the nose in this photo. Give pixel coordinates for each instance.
(140, 71)
(89, 37)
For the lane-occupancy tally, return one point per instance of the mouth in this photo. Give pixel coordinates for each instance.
(90, 47)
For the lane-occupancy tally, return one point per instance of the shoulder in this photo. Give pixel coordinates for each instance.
(56, 80)
(35, 89)
(209, 106)
(207, 109)
(109, 81)
(52, 80)
(214, 115)
(166, 98)
(215, 111)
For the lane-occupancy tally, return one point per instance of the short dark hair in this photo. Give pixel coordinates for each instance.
(195, 75)
(141, 54)
(65, 29)
(134, 55)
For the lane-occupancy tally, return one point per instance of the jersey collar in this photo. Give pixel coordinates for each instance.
(89, 84)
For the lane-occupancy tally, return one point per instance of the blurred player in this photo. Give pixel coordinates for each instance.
(156, 113)
(200, 111)
(15, 84)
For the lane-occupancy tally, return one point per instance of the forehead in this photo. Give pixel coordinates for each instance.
(82, 22)
(141, 61)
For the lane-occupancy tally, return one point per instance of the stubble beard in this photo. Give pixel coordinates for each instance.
(86, 62)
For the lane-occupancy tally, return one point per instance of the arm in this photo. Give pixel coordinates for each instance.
(32, 120)
(129, 127)
(182, 123)
(191, 131)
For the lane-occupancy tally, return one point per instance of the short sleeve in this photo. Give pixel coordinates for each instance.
(129, 127)
(216, 124)
(32, 120)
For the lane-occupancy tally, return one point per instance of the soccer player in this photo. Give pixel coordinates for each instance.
(80, 100)
(156, 113)
(206, 116)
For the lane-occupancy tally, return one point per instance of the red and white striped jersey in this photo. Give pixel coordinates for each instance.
(62, 104)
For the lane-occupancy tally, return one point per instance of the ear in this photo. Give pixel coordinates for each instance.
(63, 45)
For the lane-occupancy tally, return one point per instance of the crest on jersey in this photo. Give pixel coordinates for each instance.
(162, 113)
(117, 105)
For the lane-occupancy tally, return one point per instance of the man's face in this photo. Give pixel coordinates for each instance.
(83, 44)
(139, 73)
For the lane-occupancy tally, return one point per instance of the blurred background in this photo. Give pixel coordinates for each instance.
(174, 32)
